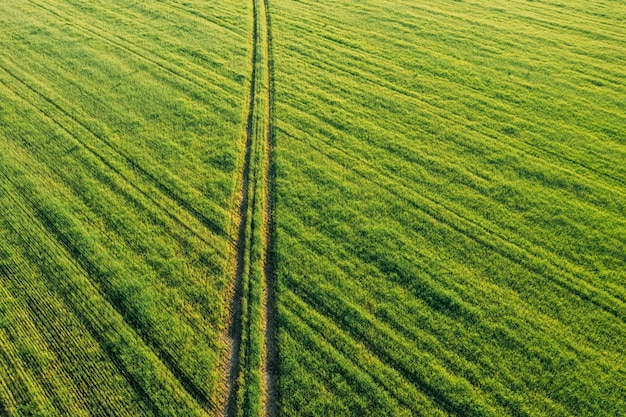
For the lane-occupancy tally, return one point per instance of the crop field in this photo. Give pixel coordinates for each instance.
(312, 208)
(119, 152)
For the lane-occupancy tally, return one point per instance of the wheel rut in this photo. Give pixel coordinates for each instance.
(251, 360)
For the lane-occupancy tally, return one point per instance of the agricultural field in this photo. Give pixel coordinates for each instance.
(120, 147)
(312, 208)
(451, 207)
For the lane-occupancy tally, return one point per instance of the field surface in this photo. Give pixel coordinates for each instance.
(120, 146)
(312, 208)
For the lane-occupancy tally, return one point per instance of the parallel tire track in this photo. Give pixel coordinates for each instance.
(250, 363)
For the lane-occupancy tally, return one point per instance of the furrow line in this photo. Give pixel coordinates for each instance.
(82, 262)
(203, 16)
(62, 251)
(110, 183)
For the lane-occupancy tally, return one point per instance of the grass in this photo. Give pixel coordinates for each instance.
(426, 199)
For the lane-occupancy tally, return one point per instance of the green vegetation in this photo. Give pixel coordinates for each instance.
(450, 207)
(120, 142)
(427, 200)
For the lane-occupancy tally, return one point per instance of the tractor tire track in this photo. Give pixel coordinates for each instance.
(254, 203)
(235, 320)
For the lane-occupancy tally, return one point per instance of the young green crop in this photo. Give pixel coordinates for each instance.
(450, 200)
(432, 193)
(121, 128)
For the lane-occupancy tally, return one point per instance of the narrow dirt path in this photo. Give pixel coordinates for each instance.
(249, 374)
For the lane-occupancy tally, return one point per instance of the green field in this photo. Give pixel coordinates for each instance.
(312, 208)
